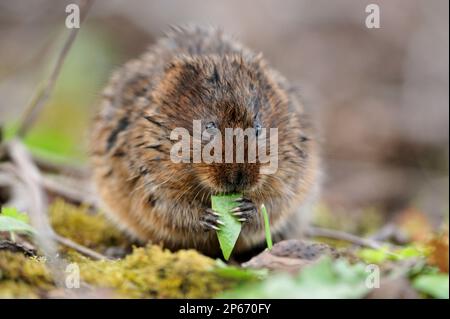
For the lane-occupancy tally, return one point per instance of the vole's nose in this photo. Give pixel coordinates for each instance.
(238, 180)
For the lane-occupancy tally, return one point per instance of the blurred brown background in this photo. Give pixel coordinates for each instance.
(380, 95)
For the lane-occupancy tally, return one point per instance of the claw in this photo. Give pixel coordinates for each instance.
(212, 212)
(210, 220)
(245, 210)
(213, 227)
(220, 222)
(208, 226)
(244, 207)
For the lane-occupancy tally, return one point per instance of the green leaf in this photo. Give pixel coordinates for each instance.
(434, 285)
(324, 280)
(378, 256)
(13, 221)
(229, 232)
(14, 213)
(267, 226)
(409, 252)
(239, 273)
(374, 256)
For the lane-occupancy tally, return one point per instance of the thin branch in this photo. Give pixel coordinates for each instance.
(44, 91)
(25, 168)
(37, 210)
(67, 192)
(80, 248)
(340, 235)
(29, 174)
(72, 170)
(15, 246)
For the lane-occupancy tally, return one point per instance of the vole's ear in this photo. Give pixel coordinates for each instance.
(178, 63)
(215, 75)
(259, 57)
(169, 66)
(260, 61)
(172, 65)
(260, 66)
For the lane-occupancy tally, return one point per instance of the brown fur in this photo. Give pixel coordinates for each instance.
(200, 74)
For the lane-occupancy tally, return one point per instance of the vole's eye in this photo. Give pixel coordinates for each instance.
(210, 125)
(258, 129)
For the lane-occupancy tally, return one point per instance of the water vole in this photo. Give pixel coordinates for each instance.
(199, 74)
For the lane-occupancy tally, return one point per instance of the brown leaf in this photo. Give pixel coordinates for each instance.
(439, 251)
(415, 224)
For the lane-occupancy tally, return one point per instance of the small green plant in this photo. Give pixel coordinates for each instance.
(267, 226)
(12, 221)
(228, 234)
(326, 279)
(434, 285)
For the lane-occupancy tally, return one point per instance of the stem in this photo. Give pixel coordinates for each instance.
(340, 235)
(80, 248)
(12, 236)
(267, 227)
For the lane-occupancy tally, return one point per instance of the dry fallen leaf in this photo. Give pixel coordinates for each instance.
(415, 224)
(438, 246)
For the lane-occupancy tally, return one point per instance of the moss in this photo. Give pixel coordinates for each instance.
(152, 272)
(22, 276)
(149, 272)
(10, 289)
(88, 229)
(146, 272)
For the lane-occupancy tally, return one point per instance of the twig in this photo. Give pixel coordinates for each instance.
(70, 193)
(45, 234)
(65, 187)
(14, 246)
(80, 248)
(44, 91)
(49, 166)
(390, 232)
(13, 192)
(31, 178)
(340, 235)
(26, 169)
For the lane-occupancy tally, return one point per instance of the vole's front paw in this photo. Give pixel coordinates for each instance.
(210, 220)
(245, 211)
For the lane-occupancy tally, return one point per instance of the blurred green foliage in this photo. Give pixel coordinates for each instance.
(378, 256)
(61, 131)
(12, 221)
(434, 285)
(327, 279)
